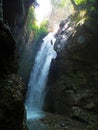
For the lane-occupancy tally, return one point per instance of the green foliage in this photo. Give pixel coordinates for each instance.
(79, 2)
(33, 27)
(39, 31)
(31, 13)
(64, 4)
(30, 19)
(90, 6)
(85, 3)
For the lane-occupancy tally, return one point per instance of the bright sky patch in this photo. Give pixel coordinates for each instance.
(43, 11)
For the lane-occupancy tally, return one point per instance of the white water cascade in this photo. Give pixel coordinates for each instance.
(37, 82)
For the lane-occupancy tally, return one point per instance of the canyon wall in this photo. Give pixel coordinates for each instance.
(72, 88)
(12, 89)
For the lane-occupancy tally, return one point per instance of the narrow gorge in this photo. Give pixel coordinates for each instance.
(48, 65)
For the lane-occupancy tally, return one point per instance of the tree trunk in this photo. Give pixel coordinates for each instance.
(74, 4)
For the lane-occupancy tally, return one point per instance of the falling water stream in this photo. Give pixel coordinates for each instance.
(37, 82)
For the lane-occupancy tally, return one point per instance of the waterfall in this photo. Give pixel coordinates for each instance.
(37, 82)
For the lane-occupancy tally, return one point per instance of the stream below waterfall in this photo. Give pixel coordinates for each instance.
(38, 78)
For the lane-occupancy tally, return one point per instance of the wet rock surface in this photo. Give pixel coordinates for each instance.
(15, 12)
(8, 54)
(12, 89)
(73, 81)
(58, 122)
(13, 16)
(12, 92)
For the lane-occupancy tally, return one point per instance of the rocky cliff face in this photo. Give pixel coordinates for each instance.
(73, 80)
(12, 89)
(15, 16)
(15, 12)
